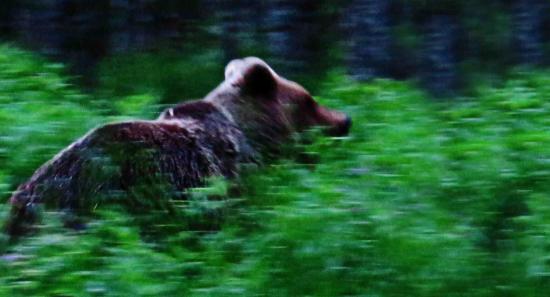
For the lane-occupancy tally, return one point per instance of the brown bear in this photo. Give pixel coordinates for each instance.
(248, 116)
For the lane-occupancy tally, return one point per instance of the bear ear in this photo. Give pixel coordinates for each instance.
(259, 81)
(230, 69)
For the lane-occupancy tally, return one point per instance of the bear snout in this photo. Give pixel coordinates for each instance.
(346, 126)
(341, 129)
(336, 123)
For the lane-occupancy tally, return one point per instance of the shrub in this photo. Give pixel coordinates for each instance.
(424, 198)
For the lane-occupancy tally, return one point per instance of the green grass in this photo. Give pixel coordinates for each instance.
(424, 198)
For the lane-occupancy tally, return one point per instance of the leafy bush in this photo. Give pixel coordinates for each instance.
(40, 113)
(423, 198)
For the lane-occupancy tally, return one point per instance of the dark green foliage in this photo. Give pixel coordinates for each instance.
(423, 198)
(170, 76)
(40, 113)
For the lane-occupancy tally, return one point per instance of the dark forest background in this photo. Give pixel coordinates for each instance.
(442, 187)
(444, 44)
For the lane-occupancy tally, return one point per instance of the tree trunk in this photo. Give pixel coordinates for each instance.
(369, 41)
(527, 19)
(439, 55)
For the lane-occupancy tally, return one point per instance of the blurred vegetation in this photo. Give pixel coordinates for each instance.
(39, 113)
(168, 75)
(424, 198)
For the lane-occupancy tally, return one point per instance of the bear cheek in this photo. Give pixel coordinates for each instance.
(300, 119)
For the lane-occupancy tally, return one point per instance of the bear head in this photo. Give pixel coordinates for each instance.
(268, 107)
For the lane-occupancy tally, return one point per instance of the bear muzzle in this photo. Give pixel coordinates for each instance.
(335, 123)
(341, 129)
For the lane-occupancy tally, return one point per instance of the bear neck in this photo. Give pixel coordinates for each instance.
(215, 121)
(263, 125)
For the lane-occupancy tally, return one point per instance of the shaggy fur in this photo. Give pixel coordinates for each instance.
(248, 116)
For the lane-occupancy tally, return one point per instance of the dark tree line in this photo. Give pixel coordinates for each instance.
(83, 32)
(445, 33)
(429, 39)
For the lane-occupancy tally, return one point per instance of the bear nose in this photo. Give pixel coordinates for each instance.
(346, 126)
(341, 129)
